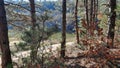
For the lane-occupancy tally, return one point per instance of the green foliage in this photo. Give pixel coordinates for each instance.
(28, 35)
(22, 46)
(118, 15)
(38, 35)
(106, 11)
(51, 31)
(25, 61)
(9, 66)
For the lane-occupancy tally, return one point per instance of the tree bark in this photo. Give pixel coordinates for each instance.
(87, 15)
(4, 42)
(91, 12)
(76, 22)
(33, 54)
(33, 15)
(111, 31)
(63, 43)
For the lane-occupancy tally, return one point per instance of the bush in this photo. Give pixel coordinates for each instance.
(21, 46)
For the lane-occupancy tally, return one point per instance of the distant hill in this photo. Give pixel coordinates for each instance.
(57, 16)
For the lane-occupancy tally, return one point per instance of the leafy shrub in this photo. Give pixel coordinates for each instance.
(22, 46)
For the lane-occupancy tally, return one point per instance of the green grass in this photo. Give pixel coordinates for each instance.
(57, 37)
(15, 35)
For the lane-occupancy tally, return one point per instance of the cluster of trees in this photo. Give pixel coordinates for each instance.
(91, 7)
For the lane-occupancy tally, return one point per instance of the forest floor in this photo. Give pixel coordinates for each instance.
(76, 56)
(72, 59)
(22, 54)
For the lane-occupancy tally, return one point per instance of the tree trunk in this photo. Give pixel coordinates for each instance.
(76, 22)
(97, 7)
(63, 29)
(4, 42)
(33, 54)
(111, 31)
(33, 15)
(87, 15)
(91, 12)
(91, 15)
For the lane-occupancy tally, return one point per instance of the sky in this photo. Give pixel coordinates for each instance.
(36, 0)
